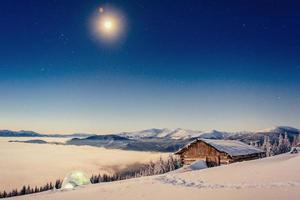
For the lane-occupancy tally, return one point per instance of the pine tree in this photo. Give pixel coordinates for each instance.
(36, 189)
(264, 145)
(92, 179)
(4, 194)
(280, 147)
(275, 148)
(171, 163)
(46, 187)
(296, 141)
(267, 146)
(23, 190)
(159, 166)
(51, 186)
(28, 190)
(58, 184)
(15, 192)
(99, 178)
(286, 142)
(105, 178)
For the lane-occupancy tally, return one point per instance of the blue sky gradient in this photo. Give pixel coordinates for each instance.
(199, 64)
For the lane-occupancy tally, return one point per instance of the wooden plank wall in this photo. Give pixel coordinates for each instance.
(202, 151)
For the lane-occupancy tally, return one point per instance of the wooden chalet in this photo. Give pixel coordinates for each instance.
(218, 152)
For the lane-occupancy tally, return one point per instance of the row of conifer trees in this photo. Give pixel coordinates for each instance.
(277, 145)
(29, 190)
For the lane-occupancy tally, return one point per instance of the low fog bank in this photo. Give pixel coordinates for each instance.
(24, 163)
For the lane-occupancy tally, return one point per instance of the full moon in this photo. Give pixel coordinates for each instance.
(108, 25)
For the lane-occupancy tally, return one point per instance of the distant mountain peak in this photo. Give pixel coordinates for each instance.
(279, 129)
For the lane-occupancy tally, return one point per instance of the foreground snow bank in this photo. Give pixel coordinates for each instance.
(273, 178)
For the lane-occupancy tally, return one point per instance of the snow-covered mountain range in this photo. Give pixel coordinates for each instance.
(170, 140)
(177, 134)
(182, 134)
(23, 133)
(165, 140)
(280, 130)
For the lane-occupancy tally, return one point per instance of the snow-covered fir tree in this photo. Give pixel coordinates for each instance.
(267, 146)
(280, 147)
(296, 141)
(264, 145)
(274, 148)
(286, 142)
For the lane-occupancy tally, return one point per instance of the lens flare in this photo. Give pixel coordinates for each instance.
(101, 10)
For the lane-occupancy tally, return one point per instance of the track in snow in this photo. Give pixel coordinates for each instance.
(201, 184)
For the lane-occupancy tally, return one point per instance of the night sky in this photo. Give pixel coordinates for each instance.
(203, 64)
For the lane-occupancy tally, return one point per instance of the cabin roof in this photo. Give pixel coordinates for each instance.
(231, 147)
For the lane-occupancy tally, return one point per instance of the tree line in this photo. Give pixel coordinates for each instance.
(279, 145)
(161, 166)
(30, 190)
(152, 168)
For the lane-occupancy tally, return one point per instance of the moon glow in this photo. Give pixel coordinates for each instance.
(108, 25)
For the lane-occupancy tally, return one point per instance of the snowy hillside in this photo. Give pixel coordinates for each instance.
(269, 178)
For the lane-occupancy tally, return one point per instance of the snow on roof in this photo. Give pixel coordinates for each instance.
(231, 147)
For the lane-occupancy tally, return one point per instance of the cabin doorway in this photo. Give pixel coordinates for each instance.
(212, 161)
